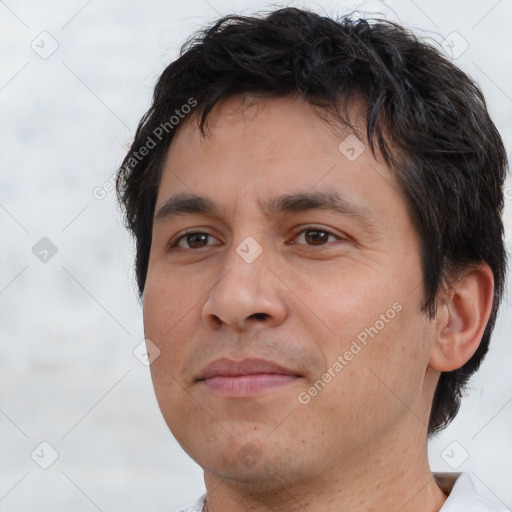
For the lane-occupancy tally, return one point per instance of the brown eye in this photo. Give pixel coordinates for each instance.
(193, 240)
(317, 237)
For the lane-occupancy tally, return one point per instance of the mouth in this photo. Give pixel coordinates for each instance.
(230, 378)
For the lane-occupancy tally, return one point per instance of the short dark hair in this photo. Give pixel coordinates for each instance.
(424, 116)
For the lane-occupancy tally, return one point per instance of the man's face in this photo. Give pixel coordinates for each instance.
(331, 296)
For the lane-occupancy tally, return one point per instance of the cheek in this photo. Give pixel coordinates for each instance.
(167, 299)
(377, 331)
(387, 365)
(167, 311)
(350, 306)
(166, 314)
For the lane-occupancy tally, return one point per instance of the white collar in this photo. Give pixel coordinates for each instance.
(462, 495)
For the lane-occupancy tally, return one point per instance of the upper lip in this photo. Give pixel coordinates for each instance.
(225, 367)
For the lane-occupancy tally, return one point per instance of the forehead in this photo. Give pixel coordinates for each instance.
(255, 147)
(269, 122)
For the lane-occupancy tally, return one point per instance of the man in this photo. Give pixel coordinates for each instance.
(317, 212)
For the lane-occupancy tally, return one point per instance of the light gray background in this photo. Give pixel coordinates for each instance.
(69, 325)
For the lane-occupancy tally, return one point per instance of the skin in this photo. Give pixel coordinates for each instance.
(359, 443)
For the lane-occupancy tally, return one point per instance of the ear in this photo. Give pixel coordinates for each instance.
(461, 319)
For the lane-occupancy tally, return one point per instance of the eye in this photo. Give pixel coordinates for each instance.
(309, 236)
(192, 240)
(315, 236)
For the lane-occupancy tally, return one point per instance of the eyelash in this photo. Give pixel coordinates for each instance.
(303, 229)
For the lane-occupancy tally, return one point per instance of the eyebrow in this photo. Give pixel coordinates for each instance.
(187, 204)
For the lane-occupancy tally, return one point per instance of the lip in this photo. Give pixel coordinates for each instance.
(231, 378)
(225, 367)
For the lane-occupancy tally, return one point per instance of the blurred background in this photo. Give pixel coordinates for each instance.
(79, 422)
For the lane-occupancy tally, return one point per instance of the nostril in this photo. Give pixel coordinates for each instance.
(259, 316)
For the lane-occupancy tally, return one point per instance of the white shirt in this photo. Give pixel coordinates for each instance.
(462, 496)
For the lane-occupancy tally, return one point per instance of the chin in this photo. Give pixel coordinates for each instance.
(255, 464)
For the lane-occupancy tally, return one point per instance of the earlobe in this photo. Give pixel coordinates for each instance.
(462, 318)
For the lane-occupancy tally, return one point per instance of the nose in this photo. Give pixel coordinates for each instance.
(247, 295)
